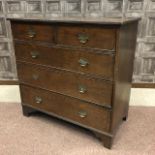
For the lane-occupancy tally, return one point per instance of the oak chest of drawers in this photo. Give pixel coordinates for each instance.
(78, 71)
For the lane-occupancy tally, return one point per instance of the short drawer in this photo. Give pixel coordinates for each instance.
(79, 86)
(93, 37)
(67, 107)
(31, 31)
(74, 60)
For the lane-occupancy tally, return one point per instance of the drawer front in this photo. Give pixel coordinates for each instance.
(67, 107)
(31, 31)
(94, 37)
(76, 85)
(74, 60)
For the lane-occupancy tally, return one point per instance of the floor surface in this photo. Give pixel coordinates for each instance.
(44, 135)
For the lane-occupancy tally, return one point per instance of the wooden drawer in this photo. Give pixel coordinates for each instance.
(32, 31)
(94, 37)
(68, 59)
(67, 107)
(76, 85)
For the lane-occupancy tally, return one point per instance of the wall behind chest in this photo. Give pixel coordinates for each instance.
(145, 53)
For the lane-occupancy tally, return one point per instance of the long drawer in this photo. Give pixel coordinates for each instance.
(79, 86)
(75, 60)
(67, 107)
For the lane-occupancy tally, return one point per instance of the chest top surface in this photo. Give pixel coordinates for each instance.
(114, 21)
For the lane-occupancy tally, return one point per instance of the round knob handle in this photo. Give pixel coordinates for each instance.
(83, 62)
(35, 76)
(34, 54)
(82, 89)
(31, 34)
(83, 38)
(38, 100)
(82, 114)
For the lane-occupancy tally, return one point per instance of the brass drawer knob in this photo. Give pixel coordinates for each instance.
(83, 38)
(35, 77)
(31, 34)
(82, 89)
(82, 114)
(38, 100)
(83, 62)
(34, 54)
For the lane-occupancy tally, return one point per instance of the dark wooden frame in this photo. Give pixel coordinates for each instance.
(123, 68)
